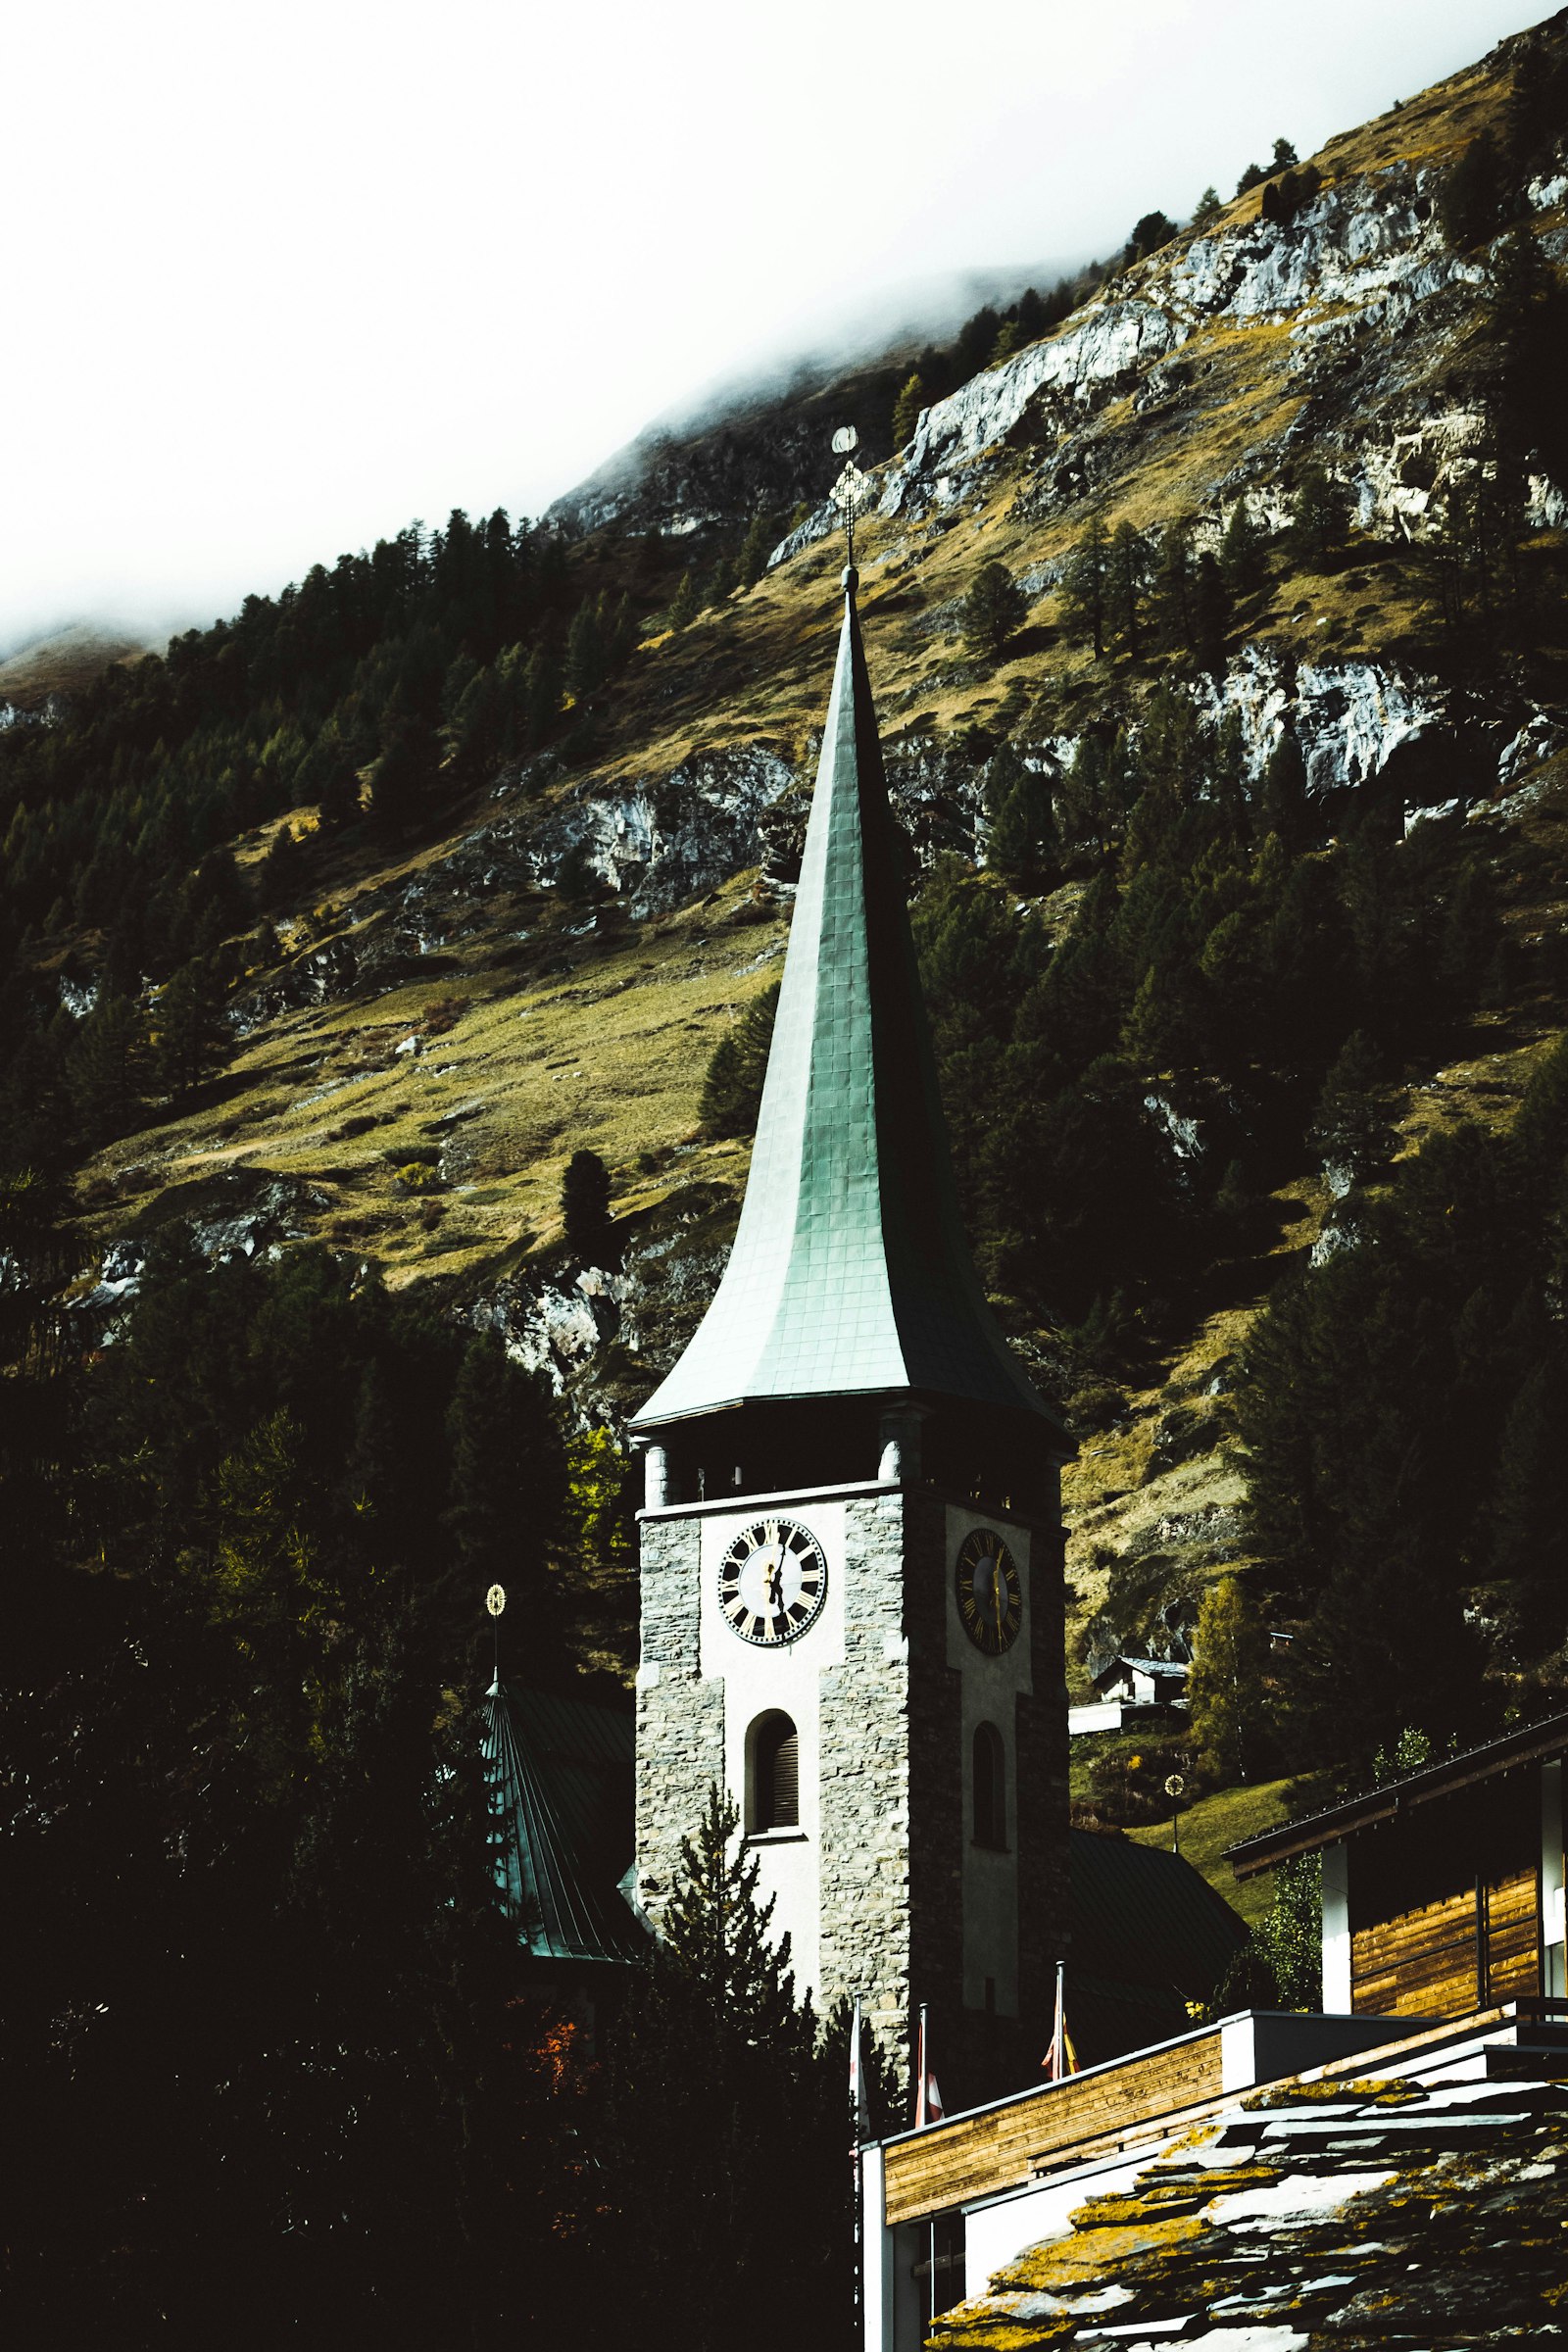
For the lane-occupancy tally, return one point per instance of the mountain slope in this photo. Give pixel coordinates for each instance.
(550, 965)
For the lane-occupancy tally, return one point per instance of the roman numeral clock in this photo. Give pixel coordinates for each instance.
(771, 1581)
(851, 1542)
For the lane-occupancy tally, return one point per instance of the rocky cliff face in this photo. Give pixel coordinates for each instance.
(446, 1026)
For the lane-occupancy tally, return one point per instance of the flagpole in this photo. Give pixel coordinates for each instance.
(922, 2116)
(857, 2127)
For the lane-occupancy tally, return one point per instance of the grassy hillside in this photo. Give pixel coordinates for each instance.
(1223, 1820)
(428, 1016)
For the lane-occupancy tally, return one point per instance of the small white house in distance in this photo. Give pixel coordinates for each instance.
(1127, 1685)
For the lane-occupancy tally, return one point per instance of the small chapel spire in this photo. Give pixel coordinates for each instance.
(850, 1274)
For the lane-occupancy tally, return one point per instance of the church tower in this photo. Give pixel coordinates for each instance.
(852, 1602)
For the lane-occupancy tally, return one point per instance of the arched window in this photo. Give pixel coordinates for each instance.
(773, 1774)
(990, 1786)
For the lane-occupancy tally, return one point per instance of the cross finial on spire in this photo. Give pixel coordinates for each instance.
(849, 491)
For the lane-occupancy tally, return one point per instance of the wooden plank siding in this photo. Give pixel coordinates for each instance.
(1421, 1963)
(1513, 1938)
(1445, 1906)
(1001, 2148)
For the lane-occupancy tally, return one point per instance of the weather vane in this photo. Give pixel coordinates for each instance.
(849, 491)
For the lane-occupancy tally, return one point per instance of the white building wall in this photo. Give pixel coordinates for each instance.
(1554, 1924)
(1338, 1988)
(991, 1689)
(755, 1680)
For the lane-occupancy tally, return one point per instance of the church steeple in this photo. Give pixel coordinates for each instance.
(851, 1547)
(850, 1274)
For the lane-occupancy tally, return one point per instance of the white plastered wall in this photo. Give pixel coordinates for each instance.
(1338, 1988)
(756, 1680)
(1554, 1924)
(990, 1691)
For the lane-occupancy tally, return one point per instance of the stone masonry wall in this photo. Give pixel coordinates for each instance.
(680, 1719)
(865, 1795)
(891, 1745)
(1044, 1888)
(936, 1798)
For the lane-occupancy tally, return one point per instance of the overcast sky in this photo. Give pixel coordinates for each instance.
(280, 278)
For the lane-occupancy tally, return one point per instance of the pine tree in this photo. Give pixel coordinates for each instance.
(1320, 516)
(683, 607)
(1529, 1514)
(585, 648)
(1285, 805)
(732, 1090)
(600, 1480)
(588, 1226)
(993, 611)
(1173, 590)
(1129, 569)
(1351, 1126)
(906, 409)
(1471, 201)
(473, 733)
(1471, 936)
(192, 1027)
(331, 776)
(508, 1477)
(404, 780)
(1227, 1689)
(1241, 553)
(1290, 1934)
(1528, 328)
(1086, 587)
(1154, 230)
(1207, 208)
(281, 879)
(762, 536)
(1021, 840)
(108, 1069)
(541, 696)
(720, 2087)
(1211, 612)
(721, 584)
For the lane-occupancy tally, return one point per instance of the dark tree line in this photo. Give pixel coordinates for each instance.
(1403, 1414)
(1223, 951)
(264, 2060)
(257, 2056)
(374, 691)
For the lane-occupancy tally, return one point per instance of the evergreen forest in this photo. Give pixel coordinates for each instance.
(387, 974)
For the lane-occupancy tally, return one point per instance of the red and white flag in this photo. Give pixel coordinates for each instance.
(927, 2097)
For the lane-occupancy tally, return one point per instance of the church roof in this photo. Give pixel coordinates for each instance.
(559, 1771)
(850, 1273)
(1149, 1936)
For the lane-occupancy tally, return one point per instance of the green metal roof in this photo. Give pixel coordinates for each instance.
(561, 1779)
(1149, 1936)
(850, 1274)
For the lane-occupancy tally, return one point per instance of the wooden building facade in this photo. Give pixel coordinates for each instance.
(1443, 1892)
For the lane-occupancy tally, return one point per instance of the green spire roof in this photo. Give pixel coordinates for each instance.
(560, 1772)
(850, 1273)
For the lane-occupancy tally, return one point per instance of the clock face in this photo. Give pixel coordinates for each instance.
(990, 1592)
(771, 1581)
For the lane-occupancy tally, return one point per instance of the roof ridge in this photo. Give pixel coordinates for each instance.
(850, 1273)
